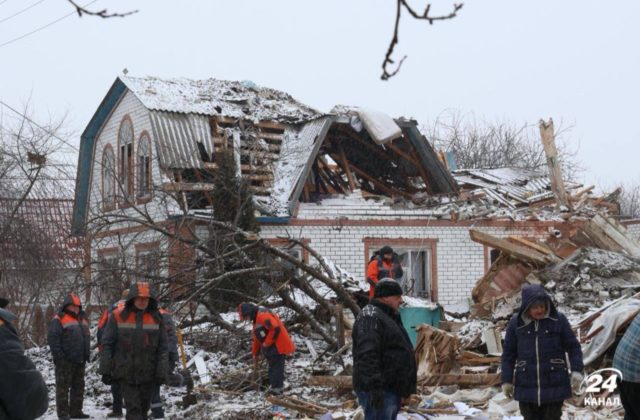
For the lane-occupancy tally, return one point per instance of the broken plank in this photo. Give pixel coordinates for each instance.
(187, 186)
(538, 247)
(515, 250)
(555, 174)
(300, 406)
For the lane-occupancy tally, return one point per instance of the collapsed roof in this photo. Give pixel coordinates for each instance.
(291, 153)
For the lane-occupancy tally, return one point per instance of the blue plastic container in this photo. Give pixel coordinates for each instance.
(415, 316)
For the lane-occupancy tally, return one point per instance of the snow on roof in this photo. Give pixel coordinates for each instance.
(219, 97)
(512, 186)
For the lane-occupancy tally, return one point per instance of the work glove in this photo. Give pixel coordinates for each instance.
(107, 379)
(377, 399)
(576, 380)
(507, 390)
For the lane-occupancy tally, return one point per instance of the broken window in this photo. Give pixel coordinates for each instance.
(144, 166)
(108, 178)
(125, 142)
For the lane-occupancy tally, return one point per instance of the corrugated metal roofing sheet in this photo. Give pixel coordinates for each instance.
(177, 137)
(516, 185)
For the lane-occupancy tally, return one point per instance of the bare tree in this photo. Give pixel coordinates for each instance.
(35, 203)
(481, 144)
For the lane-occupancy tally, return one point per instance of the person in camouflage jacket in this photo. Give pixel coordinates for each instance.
(134, 350)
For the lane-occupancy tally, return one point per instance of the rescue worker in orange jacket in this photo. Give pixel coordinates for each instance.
(69, 342)
(270, 337)
(134, 350)
(116, 389)
(384, 264)
(172, 346)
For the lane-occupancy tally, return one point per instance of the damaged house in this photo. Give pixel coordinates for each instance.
(345, 182)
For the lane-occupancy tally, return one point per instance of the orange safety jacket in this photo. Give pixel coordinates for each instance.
(373, 273)
(102, 322)
(268, 330)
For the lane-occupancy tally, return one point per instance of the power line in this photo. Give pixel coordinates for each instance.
(21, 11)
(11, 41)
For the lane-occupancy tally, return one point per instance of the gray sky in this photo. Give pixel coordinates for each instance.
(575, 61)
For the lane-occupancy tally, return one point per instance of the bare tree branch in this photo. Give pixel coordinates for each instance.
(388, 61)
(82, 10)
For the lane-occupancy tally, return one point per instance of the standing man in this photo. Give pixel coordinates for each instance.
(627, 361)
(172, 344)
(69, 342)
(384, 264)
(384, 364)
(116, 390)
(270, 338)
(134, 350)
(534, 357)
(23, 392)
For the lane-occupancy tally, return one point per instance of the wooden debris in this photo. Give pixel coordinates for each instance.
(608, 234)
(505, 275)
(555, 174)
(518, 251)
(303, 407)
(436, 350)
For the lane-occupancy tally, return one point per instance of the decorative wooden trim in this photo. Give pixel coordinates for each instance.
(426, 243)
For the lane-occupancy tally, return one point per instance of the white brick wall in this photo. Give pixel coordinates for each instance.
(460, 261)
(634, 229)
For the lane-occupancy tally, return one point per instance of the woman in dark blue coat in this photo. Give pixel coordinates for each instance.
(534, 357)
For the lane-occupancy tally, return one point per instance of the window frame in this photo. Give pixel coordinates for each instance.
(125, 150)
(413, 244)
(109, 205)
(142, 195)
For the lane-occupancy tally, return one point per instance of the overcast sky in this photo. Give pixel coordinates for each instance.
(575, 61)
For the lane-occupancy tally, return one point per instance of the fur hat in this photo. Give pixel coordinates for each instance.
(387, 287)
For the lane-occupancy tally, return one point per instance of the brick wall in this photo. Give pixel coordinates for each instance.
(460, 262)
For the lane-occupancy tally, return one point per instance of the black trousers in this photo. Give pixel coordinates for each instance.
(156, 404)
(549, 411)
(137, 399)
(630, 398)
(276, 370)
(116, 394)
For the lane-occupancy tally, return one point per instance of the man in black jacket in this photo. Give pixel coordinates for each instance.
(23, 392)
(384, 364)
(69, 342)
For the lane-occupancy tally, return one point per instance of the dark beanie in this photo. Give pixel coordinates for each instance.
(3, 302)
(387, 287)
(386, 250)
